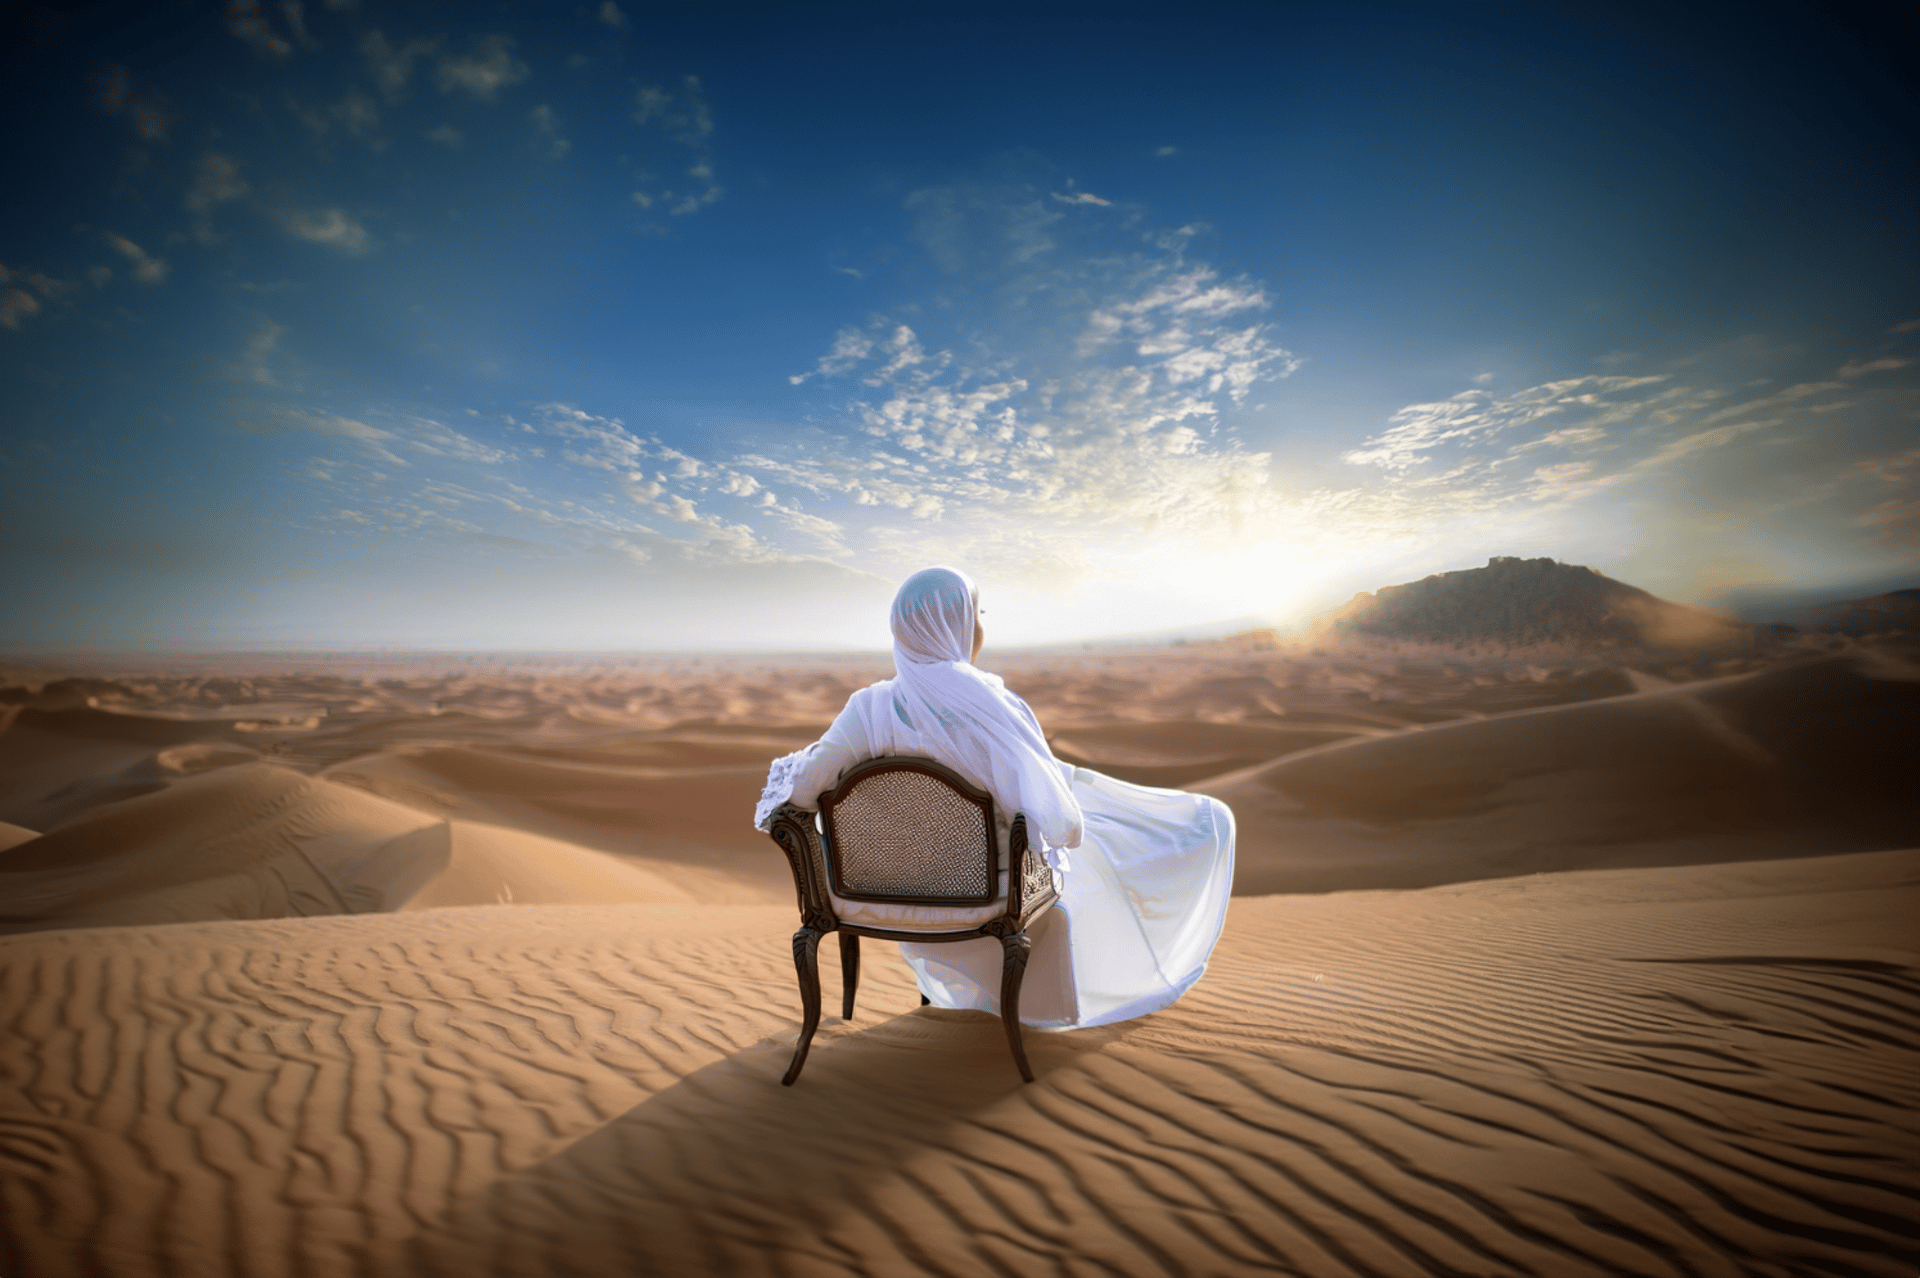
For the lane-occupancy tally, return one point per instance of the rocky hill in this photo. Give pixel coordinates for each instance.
(1520, 604)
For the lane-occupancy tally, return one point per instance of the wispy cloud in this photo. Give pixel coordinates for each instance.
(490, 68)
(1692, 430)
(249, 21)
(16, 304)
(1061, 460)
(682, 115)
(391, 65)
(1886, 363)
(419, 436)
(256, 360)
(1892, 516)
(549, 125)
(331, 227)
(143, 112)
(216, 181)
(611, 15)
(1417, 431)
(147, 270)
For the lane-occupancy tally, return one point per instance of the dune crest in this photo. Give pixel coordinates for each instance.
(245, 842)
(1797, 759)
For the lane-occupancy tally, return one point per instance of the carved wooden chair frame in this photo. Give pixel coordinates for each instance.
(816, 866)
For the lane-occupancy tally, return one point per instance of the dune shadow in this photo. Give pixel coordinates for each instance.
(712, 1174)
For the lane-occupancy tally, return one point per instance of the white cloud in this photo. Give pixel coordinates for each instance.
(491, 68)
(1485, 457)
(1886, 363)
(247, 20)
(980, 229)
(420, 436)
(357, 113)
(332, 227)
(683, 117)
(15, 305)
(1686, 445)
(611, 15)
(145, 114)
(392, 65)
(549, 124)
(216, 180)
(1082, 197)
(255, 361)
(850, 346)
(1107, 450)
(147, 270)
(1417, 430)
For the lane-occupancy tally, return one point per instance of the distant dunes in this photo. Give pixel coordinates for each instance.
(1553, 953)
(1514, 604)
(1879, 614)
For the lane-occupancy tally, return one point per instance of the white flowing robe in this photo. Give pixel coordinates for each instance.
(1143, 894)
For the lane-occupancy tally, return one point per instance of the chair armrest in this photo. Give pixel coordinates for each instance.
(1029, 877)
(792, 828)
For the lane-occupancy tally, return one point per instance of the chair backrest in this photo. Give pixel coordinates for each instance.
(911, 832)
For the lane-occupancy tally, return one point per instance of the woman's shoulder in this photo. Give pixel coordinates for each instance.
(860, 696)
(860, 707)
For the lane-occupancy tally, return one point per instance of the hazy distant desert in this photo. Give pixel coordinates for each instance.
(464, 966)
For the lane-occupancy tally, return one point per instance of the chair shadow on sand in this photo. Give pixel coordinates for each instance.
(726, 1168)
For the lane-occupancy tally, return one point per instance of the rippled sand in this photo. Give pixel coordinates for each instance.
(482, 973)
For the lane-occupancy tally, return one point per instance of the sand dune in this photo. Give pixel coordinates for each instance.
(1689, 1071)
(408, 971)
(244, 842)
(492, 864)
(1806, 757)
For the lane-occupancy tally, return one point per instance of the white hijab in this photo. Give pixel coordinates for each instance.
(938, 695)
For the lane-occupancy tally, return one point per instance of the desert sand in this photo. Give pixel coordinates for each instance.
(406, 965)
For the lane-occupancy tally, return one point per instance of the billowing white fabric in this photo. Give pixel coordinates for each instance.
(1138, 916)
(1144, 896)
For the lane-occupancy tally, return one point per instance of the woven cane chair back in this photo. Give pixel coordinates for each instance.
(911, 833)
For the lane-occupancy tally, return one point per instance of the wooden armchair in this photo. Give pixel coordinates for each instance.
(905, 850)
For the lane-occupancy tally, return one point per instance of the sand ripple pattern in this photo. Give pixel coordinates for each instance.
(1693, 1071)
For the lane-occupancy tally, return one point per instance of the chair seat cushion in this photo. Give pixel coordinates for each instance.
(921, 918)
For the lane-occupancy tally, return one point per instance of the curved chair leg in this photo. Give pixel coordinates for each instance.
(806, 950)
(849, 972)
(1013, 969)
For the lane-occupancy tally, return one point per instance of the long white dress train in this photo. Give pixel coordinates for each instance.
(1139, 913)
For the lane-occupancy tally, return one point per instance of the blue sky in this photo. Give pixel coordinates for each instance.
(611, 325)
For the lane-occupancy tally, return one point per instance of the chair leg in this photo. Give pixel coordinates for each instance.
(806, 951)
(849, 972)
(1013, 969)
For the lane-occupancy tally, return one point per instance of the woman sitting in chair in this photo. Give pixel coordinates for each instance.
(1143, 874)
